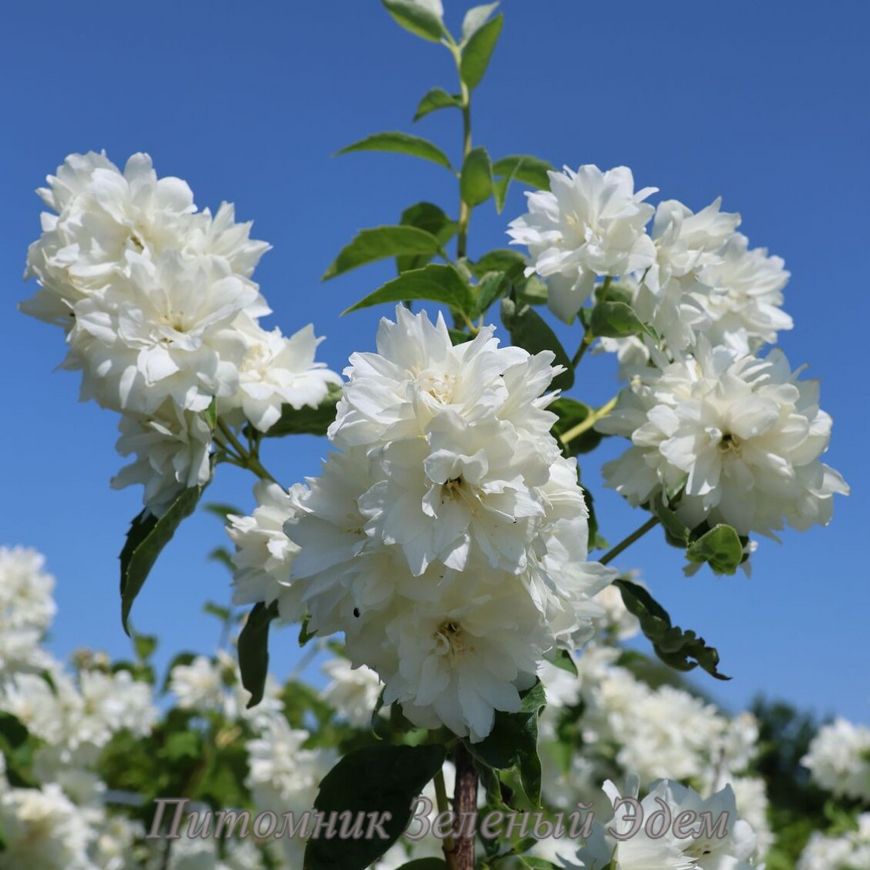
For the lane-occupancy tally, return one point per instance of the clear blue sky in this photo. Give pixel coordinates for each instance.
(764, 103)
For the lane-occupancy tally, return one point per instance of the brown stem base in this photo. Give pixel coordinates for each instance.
(461, 856)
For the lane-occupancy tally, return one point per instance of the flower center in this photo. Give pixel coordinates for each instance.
(450, 640)
(729, 443)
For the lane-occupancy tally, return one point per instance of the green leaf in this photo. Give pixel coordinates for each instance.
(433, 282)
(475, 18)
(513, 742)
(677, 533)
(429, 217)
(148, 535)
(529, 330)
(500, 260)
(563, 660)
(425, 864)
(572, 413)
(379, 779)
(489, 288)
(682, 650)
(305, 420)
(526, 169)
(436, 99)
(217, 610)
(379, 243)
(457, 336)
(475, 182)
(254, 650)
(304, 634)
(144, 644)
(721, 548)
(478, 50)
(417, 16)
(400, 143)
(221, 509)
(615, 320)
(12, 730)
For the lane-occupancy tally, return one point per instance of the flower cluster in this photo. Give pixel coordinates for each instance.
(839, 760)
(726, 438)
(849, 850)
(691, 274)
(724, 434)
(448, 537)
(161, 316)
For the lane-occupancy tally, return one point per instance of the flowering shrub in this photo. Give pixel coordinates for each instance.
(448, 542)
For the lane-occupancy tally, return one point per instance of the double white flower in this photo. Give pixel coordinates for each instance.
(448, 539)
(736, 438)
(161, 315)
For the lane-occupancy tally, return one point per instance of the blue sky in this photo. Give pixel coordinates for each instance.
(762, 103)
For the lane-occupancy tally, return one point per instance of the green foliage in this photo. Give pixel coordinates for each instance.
(682, 650)
(379, 243)
(562, 659)
(477, 51)
(615, 320)
(432, 219)
(434, 100)
(572, 413)
(436, 283)
(254, 650)
(416, 18)
(400, 143)
(519, 167)
(305, 420)
(475, 18)
(530, 331)
(147, 537)
(513, 742)
(376, 779)
(425, 864)
(475, 182)
(721, 548)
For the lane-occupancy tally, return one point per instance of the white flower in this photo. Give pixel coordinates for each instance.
(739, 437)
(42, 828)
(353, 692)
(745, 292)
(847, 851)
(173, 452)
(591, 223)
(839, 759)
(101, 214)
(197, 686)
(166, 330)
(277, 371)
(449, 540)
(417, 373)
(26, 609)
(264, 553)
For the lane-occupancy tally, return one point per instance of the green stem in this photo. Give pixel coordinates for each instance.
(589, 422)
(584, 346)
(610, 555)
(447, 844)
(465, 105)
(244, 458)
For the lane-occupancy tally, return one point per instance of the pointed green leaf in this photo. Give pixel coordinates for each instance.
(254, 650)
(305, 420)
(148, 535)
(529, 330)
(513, 742)
(475, 182)
(682, 650)
(478, 50)
(436, 99)
(475, 18)
(380, 779)
(721, 548)
(400, 143)
(490, 287)
(433, 282)
(500, 260)
(429, 217)
(615, 320)
(563, 660)
(379, 243)
(526, 169)
(420, 17)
